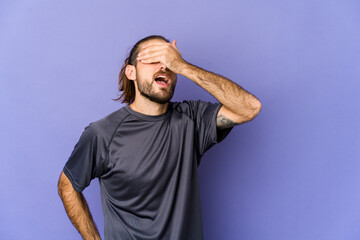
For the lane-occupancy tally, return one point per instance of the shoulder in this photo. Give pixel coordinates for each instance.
(106, 126)
(196, 107)
(192, 106)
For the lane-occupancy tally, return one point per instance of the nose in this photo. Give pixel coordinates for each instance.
(161, 67)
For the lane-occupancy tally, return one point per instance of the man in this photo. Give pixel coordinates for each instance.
(146, 154)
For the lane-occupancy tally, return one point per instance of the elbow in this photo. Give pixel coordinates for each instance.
(255, 110)
(248, 114)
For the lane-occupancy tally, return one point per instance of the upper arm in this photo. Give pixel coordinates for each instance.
(226, 118)
(64, 183)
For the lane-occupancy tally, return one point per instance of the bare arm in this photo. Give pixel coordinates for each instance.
(239, 106)
(77, 209)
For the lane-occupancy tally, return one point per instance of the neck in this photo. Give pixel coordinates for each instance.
(147, 107)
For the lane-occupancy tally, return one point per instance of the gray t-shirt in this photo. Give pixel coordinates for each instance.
(147, 169)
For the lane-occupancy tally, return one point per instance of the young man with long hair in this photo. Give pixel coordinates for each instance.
(146, 154)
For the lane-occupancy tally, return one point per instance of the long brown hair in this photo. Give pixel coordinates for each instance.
(126, 86)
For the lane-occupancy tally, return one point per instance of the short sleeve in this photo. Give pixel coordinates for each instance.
(204, 115)
(86, 161)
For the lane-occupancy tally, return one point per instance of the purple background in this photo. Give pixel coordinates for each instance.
(292, 173)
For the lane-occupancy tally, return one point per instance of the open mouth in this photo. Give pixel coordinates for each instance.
(162, 79)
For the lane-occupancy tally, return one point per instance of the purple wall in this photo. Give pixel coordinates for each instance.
(292, 173)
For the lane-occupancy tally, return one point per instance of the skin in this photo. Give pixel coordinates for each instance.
(239, 106)
(144, 73)
(157, 56)
(77, 209)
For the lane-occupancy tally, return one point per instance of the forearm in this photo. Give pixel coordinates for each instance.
(240, 105)
(230, 94)
(77, 210)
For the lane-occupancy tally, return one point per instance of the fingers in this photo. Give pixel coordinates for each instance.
(166, 53)
(150, 54)
(156, 50)
(158, 47)
(152, 58)
(151, 49)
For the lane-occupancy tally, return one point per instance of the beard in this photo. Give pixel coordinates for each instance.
(146, 89)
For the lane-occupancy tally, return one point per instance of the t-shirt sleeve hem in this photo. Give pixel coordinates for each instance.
(76, 186)
(219, 134)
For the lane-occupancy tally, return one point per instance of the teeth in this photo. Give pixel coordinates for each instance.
(161, 76)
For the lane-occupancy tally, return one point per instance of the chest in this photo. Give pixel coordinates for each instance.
(149, 155)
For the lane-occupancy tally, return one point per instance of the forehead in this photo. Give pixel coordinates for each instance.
(151, 42)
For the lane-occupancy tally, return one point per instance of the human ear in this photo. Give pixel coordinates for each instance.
(130, 72)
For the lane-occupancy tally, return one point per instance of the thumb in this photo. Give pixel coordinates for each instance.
(174, 44)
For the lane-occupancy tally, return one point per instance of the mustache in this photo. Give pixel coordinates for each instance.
(163, 72)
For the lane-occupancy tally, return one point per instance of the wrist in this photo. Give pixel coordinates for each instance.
(183, 68)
